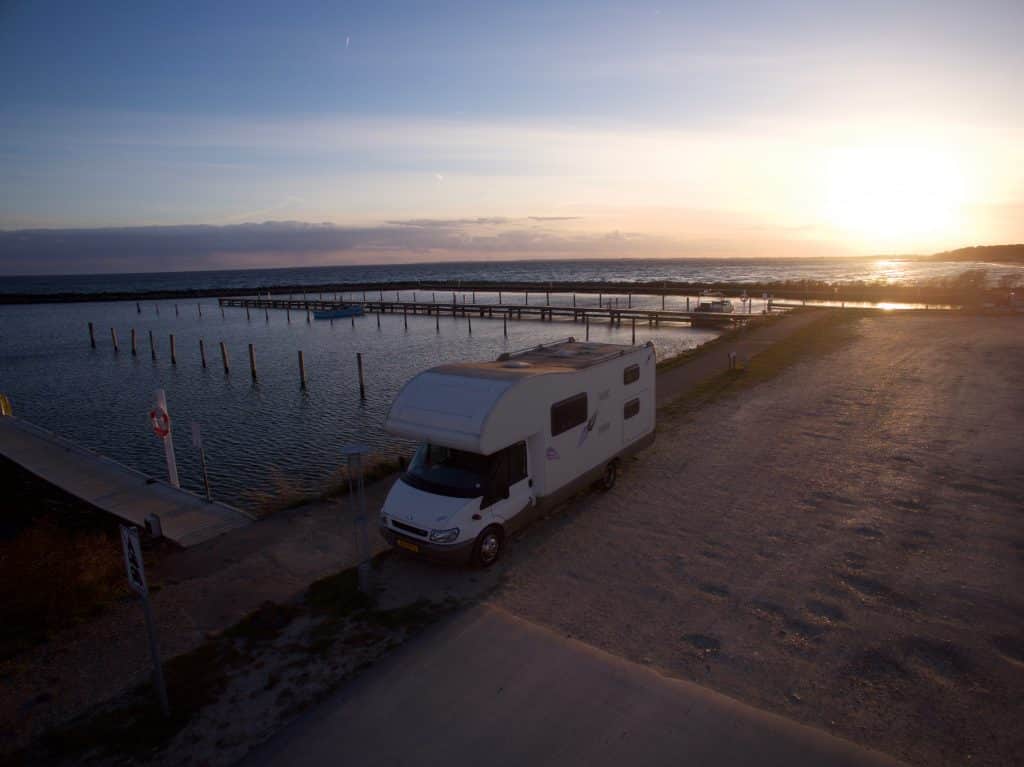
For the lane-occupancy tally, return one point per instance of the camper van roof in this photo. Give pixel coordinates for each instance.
(560, 357)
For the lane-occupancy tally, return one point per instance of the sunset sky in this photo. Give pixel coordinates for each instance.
(477, 129)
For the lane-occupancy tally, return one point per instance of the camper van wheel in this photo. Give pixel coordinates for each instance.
(611, 473)
(488, 546)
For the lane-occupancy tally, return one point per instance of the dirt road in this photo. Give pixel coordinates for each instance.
(843, 545)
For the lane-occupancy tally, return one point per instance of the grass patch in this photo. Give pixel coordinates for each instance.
(826, 334)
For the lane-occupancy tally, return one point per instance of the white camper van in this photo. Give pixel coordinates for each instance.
(502, 441)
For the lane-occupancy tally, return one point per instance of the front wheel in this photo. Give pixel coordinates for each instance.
(611, 473)
(488, 548)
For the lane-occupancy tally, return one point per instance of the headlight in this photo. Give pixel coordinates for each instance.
(444, 536)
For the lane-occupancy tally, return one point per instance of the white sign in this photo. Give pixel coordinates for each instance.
(133, 560)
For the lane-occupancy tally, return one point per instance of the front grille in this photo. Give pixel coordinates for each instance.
(408, 528)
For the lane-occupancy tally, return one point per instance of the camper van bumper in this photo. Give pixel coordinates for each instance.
(455, 553)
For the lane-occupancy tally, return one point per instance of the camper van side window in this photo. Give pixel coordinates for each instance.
(631, 374)
(517, 463)
(568, 413)
(631, 408)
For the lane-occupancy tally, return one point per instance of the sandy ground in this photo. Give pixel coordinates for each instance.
(843, 545)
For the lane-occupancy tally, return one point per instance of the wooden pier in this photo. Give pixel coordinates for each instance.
(544, 312)
(185, 518)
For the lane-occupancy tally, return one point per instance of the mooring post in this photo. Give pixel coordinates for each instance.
(378, 317)
(663, 301)
(353, 318)
(405, 317)
(302, 371)
(152, 347)
(224, 356)
(469, 324)
(629, 300)
(266, 313)
(587, 320)
(113, 337)
(382, 296)
(547, 298)
(199, 307)
(687, 303)
(634, 330)
(174, 355)
(437, 322)
(307, 314)
(504, 323)
(600, 300)
(134, 351)
(526, 297)
(247, 312)
(288, 313)
(359, 365)
(222, 311)
(474, 296)
(157, 307)
(202, 353)
(252, 361)
(92, 336)
(398, 295)
(499, 296)
(176, 311)
(138, 308)
(573, 300)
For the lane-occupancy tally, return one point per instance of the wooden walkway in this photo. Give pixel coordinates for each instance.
(110, 486)
(543, 311)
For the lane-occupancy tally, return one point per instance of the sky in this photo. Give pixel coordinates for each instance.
(144, 137)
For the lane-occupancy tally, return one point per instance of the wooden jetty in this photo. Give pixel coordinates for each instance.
(545, 312)
(110, 486)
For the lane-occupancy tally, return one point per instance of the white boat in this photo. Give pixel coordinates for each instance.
(714, 302)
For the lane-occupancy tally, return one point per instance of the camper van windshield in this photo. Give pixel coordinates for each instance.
(446, 471)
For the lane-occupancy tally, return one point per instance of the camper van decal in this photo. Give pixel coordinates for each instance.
(585, 431)
(552, 454)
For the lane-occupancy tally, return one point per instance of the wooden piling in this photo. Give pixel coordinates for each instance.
(547, 298)
(224, 357)
(437, 322)
(113, 337)
(629, 300)
(526, 297)
(307, 314)
(662, 300)
(135, 352)
(247, 313)
(176, 314)
(469, 324)
(359, 365)
(222, 311)
(252, 361)
(573, 300)
(266, 313)
(199, 308)
(405, 317)
(152, 347)
(202, 353)
(92, 336)
(499, 296)
(587, 321)
(353, 318)
(378, 317)
(634, 330)
(474, 296)
(174, 354)
(504, 323)
(138, 308)
(302, 371)
(288, 314)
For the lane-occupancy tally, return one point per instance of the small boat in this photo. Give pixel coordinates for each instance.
(349, 310)
(714, 302)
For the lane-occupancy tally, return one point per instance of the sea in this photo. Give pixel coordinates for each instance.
(269, 436)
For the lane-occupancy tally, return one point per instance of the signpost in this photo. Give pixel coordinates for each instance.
(161, 421)
(137, 581)
(197, 442)
(357, 497)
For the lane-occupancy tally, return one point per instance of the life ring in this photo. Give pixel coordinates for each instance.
(161, 421)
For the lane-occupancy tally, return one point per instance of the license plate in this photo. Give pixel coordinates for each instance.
(408, 546)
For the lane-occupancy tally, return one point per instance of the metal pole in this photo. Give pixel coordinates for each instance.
(362, 386)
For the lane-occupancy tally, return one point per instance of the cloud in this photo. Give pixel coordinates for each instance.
(294, 243)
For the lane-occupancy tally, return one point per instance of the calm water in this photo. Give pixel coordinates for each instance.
(256, 435)
(628, 270)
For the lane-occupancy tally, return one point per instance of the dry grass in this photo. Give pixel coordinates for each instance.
(52, 577)
(290, 494)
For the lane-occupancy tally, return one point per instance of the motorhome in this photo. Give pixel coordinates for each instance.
(503, 441)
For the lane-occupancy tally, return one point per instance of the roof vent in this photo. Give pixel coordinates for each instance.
(516, 364)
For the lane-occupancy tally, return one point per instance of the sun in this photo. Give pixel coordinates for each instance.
(888, 198)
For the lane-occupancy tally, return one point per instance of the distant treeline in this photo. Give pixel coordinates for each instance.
(1006, 254)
